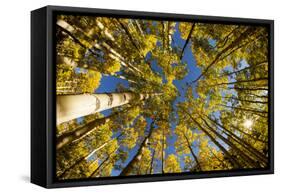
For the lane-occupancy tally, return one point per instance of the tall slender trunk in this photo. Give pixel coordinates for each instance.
(88, 155)
(238, 81)
(71, 31)
(139, 27)
(218, 159)
(102, 146)
(73, 64)
(246, 68)
(226, 38)
(130, 165)
(151, 162)
(129, 35)
(83, 130)
(135, 44)
(250, 101)
(243, 36)
(169, 34)
(162, 153)
(187, 40)
(71, 166)
(120, 77)
(103, 162)
(116, 56)
(244, 109)
(247, 134)
(248, 89)
(192, 152)
(248, 160)
(258, 96)
(240, 141)
(163, 35)
(67, 61)
(74, 106)
(138, 171)
(236, 164)
(105, 30)
(265, 88)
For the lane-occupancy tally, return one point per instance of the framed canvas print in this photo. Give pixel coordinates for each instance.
(125, 96)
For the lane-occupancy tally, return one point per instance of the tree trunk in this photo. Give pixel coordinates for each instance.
(104, 30)
(162, 153)
(74, 106)
(226, 38)
(221, 161)
(72, 32)
(191, 150)
(258, 96)
(103, 162)
(129, 35)
(116, 56)
(233, 44)
(163, 35)
(72, 166)
(169, 34)
(241, 70)
(187, 40)
(69, 30)
(67, 61)
(250, 101)
(240, 141)
(84, 130)
(247, 134)
(151, 162)
(102, 146)
(248, 160)
(244, 109)
(139, 27)
(130, 165)
(238, 81)
(73, 64)
(87, 156)
(232, 160)
(247, 89)
(120, 77)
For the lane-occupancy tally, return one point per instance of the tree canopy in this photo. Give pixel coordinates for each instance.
(137, 97)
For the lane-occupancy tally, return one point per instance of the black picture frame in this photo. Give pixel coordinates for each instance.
(43, 108)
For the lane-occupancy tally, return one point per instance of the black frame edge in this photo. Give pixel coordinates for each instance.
(38, 99)
(152, 15)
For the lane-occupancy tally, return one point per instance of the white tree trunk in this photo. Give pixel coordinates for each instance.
(114, 54)
(139, 27)
(104, 30)
(67, 61)
(95, 150)
(74, 106)
(170, 34)
(120, 76)
(65, 25)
